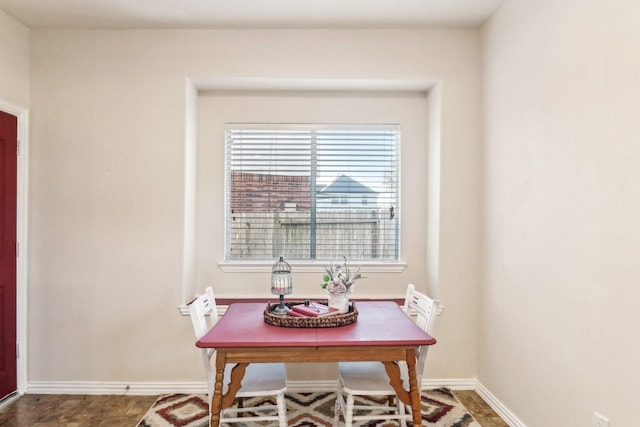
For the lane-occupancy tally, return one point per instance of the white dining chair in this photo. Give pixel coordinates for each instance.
(370, 378)
(260, 380)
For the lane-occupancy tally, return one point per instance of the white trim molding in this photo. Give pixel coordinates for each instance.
(450, 383)
(5, 401)
(311, 386)
(195, 387)
(21, 235)
(115, 388)
(200, 387)
(504, 412)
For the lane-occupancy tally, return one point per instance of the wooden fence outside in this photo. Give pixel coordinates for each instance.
(355, 234)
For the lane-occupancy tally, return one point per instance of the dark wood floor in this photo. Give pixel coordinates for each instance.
(59, 410)
(480, 410)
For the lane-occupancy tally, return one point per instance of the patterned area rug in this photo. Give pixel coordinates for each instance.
(439, 408)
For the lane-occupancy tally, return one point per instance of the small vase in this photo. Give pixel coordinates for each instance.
(339, 301)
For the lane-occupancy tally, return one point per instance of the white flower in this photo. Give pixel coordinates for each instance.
(339, 279)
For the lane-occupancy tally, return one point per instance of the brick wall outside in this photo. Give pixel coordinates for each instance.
(252, 192)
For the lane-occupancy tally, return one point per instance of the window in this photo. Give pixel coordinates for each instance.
(310, 192)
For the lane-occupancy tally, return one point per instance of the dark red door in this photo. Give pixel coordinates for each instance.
(8, 162)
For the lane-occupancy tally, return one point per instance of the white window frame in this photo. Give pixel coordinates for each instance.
(385, 264)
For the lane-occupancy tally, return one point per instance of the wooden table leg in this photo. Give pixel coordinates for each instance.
(219, 401)
(410, 398)
(393, 372)
(216, 399)
(235, 382)
(414, 389)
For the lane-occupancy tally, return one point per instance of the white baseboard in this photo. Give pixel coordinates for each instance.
(132, 388)
(200, 387)
(96, 388)
(450, 383)
(311, 386)
(5, 401)
(498, 406)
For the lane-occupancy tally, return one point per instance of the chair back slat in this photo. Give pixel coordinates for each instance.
(423, 310)
(202, 308)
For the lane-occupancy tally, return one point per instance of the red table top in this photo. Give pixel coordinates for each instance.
(380, 323)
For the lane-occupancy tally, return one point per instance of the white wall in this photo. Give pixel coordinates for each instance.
(407, 109)
(14, 57)
(558, 333)
(107, 187)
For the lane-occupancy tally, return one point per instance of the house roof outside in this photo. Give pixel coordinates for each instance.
(346, 184)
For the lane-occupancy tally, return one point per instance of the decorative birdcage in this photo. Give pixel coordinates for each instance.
(281, 283)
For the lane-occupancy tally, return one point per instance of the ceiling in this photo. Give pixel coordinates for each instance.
(184, 14)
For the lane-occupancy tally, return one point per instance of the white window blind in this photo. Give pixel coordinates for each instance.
(310, 192)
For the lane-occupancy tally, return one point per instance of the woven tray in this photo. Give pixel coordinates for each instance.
(287, 321)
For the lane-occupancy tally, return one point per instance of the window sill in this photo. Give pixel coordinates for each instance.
(308, 266)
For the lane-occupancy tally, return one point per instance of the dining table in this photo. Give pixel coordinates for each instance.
(382, 332)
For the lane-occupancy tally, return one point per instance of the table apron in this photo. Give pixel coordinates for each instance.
(314, 354)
